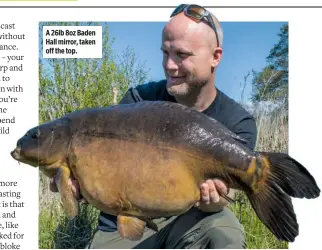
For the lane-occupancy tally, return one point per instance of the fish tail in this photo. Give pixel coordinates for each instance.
(280, 177)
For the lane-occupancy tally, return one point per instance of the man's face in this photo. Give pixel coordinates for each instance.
(188, 56)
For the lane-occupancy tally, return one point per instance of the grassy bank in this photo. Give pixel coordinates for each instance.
(56, 232)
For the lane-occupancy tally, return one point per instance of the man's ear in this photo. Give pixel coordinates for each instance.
(216, 56)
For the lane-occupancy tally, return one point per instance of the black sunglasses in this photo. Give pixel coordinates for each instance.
(197, 13)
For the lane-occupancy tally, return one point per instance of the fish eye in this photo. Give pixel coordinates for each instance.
(35, 135)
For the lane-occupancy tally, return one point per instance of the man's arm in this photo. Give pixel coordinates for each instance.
(246, 129)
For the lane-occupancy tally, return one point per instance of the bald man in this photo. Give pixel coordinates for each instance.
(192, 49)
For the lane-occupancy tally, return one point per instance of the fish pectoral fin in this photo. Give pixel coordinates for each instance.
(70, 204)
(130, 227)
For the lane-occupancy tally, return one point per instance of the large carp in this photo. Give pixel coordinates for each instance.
(146, 160)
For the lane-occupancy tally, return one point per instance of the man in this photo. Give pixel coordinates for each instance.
(192, 50)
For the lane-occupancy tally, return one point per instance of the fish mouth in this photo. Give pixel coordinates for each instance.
(16, 153)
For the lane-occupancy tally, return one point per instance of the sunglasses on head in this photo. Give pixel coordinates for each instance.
(197, 13)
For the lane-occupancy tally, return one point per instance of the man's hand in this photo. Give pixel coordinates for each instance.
(210, 199)
(73, 185)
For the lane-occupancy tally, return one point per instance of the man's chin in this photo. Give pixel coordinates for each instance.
(178, 89)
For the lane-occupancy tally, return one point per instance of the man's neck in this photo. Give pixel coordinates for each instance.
(200, 101)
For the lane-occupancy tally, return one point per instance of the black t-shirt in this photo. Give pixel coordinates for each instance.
(223, 109)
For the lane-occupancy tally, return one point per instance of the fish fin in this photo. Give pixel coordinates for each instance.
(130, 227)
(292, 177)
(70, 204)
(274, 208)
(283, 177)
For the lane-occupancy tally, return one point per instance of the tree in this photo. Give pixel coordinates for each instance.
(70, 84)
(271, 84)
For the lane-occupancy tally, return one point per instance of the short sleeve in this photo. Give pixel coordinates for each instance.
(131, 96)
(246, 128)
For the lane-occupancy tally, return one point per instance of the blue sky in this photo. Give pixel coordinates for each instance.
(246, 45)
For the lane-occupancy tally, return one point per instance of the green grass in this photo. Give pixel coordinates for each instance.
(56, 232)
(257, 235)
(272, 137)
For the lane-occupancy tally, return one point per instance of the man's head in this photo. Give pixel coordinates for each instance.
(190, 54)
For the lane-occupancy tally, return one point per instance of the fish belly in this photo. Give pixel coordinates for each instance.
(129, 177)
